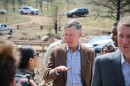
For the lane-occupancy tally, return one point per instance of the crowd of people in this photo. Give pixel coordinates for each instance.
(68, 62)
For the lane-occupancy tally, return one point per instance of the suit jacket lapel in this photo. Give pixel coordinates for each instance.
(84, 62)
(63, 55)
(116, 69)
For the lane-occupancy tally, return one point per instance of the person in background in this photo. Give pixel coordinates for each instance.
(70, 64)
(47, 55)
(25, 72)
(113, 69)
(9, 60)
(107, 49)
(49, 50)
(114, 33)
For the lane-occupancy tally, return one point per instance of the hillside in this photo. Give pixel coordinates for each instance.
(34, 27)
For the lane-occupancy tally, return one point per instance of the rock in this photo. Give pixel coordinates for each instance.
(45, 38)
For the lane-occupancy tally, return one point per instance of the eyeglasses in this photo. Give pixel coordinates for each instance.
(105, 51)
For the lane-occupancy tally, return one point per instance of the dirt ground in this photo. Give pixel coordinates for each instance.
(33, 19)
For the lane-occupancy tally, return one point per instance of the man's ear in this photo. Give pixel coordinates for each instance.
(30, 60)
(80, 34)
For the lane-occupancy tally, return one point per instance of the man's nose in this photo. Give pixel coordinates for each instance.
(125, 40)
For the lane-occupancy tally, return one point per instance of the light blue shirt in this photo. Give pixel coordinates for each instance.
(125, 70)
(73, 61)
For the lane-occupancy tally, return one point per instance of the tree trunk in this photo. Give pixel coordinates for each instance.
(47, 4)
(55, 27)
(118, 9)
(13, 5)
(36, 3)
(20, 2)
(41, 5)
(5, 4)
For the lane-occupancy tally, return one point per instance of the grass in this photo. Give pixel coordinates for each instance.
(12, 18)
(30, 32)
(91, 27)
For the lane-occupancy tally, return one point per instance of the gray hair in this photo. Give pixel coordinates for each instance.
(73, 23)
(124, 21)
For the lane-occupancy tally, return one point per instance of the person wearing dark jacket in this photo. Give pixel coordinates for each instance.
(113, 69)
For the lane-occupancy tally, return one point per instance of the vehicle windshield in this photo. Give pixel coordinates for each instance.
(73, 10)
(25, 7)
(99, 38)
(30, 7)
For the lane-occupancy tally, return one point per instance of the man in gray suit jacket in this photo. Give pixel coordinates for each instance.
(70, 64)
(113, 69)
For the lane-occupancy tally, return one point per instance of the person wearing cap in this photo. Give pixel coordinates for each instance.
(49, 50)
(113, 69)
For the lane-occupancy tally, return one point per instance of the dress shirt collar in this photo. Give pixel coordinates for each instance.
(123, 59)
(68, 49)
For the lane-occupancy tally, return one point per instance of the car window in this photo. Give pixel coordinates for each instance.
(73, 10)
(84, 10)
(97, 39)
(79, 10)
(25, 8)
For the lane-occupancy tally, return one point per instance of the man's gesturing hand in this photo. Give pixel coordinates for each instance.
(61, 68)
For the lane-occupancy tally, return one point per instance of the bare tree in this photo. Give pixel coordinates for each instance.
(5, 3)
(36, 3)
(56, 14)
(112, 8)
(68, 5)
(41, 1)
(13, 2)
(19, 2)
